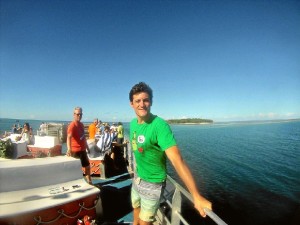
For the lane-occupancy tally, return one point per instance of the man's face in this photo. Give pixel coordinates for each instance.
(77, 115)
(141, 105)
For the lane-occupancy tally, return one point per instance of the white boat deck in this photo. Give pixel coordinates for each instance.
(28, 185)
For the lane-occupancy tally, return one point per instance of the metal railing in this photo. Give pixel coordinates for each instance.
(175, 192)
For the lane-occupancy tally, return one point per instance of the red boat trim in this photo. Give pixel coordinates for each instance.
(61, 213)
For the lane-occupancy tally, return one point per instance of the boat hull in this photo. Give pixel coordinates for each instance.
(37, 152)
(47, 190)
(62, 214)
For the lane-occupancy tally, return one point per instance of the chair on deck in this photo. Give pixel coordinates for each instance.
(99, 154)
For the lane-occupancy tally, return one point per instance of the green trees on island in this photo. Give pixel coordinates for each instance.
(189, 121)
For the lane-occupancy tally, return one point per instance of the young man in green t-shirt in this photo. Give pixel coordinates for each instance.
(152, 141)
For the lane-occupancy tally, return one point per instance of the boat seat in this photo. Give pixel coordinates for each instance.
(40, 183)
(94, 153)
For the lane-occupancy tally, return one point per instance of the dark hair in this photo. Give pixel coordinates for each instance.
(138, 88)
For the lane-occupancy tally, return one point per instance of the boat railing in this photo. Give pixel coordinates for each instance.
(173, 197)
(58, 130)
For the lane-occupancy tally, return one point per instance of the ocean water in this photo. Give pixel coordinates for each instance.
(250, 171)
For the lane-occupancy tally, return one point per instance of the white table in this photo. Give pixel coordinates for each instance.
(45, 141)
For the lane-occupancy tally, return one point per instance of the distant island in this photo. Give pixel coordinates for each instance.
(190, 121)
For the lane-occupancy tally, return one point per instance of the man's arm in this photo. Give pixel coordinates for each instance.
(87, 146)
(69, 136)
(186, 176)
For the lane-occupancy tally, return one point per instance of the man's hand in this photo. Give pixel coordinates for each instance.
(200, 203)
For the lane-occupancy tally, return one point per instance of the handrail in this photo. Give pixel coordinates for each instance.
(209, 212)
(214, 217)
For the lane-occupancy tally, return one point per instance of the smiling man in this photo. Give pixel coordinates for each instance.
(152, 142)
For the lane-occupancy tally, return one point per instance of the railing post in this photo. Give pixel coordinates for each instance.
(102, 169)
(176, 207)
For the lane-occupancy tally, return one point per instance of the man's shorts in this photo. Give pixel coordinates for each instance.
(146, 195)
(82, 155)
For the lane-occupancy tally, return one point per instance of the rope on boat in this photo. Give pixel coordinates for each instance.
(61, 213)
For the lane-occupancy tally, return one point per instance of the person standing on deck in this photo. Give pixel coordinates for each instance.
(120, 130)
(93, 127)
(14, 129)
(76, 143)
(152, 141)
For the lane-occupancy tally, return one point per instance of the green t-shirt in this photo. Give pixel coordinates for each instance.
(148, 142)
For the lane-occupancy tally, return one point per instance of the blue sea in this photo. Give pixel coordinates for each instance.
(249, 170)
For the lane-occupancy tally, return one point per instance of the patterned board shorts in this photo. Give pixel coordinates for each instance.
(146, 195)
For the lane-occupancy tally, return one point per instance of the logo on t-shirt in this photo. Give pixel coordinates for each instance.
(141, 139)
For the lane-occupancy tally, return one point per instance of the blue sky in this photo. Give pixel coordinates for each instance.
(220, 60)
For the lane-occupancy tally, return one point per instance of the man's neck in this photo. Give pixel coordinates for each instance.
(144, 119)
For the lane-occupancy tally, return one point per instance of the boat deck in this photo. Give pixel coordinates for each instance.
(52, 186)
(49, 190)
